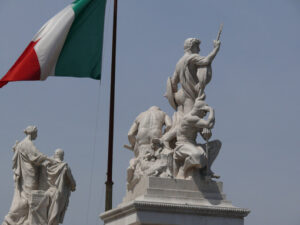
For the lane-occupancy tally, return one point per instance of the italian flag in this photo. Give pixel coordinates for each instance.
(69, 45)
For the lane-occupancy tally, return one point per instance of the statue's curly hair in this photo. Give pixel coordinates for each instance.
(188, 43)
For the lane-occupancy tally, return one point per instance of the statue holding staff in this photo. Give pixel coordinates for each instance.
(193, 72)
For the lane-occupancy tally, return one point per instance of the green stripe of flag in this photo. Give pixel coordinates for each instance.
(79, 5)
(81, 55)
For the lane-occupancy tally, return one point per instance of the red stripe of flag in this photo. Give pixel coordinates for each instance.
(27, 67)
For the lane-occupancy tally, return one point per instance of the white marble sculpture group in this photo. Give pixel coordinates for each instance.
(42, 185)
(166, 147)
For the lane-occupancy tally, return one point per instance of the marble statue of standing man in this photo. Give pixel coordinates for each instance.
(61, 184)
(193, 72)
(26, 160)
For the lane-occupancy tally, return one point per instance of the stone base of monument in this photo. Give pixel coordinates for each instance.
(166, 201)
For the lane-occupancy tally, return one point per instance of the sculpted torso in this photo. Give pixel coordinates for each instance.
(150, 125)
(187, 132)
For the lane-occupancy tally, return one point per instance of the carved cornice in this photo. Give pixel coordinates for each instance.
(138, 206)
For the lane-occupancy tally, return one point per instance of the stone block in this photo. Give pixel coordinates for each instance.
(165, 201)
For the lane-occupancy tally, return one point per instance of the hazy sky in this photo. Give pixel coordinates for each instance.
(254, 91)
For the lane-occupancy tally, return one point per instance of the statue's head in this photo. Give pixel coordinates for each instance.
(59, 154)
(156, 108)
(192, 45)
(198, 108)
(31, 131)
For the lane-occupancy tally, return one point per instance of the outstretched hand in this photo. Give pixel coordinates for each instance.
(217, 43)
(206, 134)
(49, 161)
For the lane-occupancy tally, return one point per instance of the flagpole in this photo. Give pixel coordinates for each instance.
(109, 182)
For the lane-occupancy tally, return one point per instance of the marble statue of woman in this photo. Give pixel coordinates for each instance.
(26, 161)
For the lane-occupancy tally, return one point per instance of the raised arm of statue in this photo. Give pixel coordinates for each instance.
(207, 60)
(209, 123)
(210, 57)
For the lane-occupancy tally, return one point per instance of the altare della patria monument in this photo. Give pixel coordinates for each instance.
(170, 178)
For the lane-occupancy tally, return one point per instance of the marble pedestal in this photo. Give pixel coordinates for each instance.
(165, 201)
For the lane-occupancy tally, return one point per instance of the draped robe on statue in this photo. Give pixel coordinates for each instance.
(194, 74)
(61, 184)
(26, 160)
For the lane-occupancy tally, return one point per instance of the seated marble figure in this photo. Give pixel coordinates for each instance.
(148, 125)
(188, 154)
(176, 153)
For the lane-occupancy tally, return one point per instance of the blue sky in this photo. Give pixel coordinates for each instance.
(254, 91)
